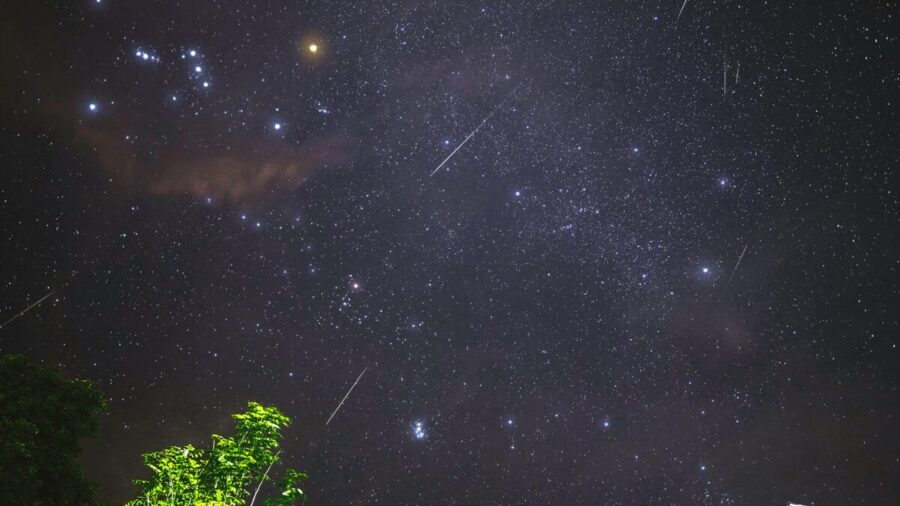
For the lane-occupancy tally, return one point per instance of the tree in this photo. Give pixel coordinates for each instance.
(42, 418)
(224, 474)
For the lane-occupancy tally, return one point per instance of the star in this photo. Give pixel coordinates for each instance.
(92, 106)
(313, 48)
(277, 126)
(418, 430)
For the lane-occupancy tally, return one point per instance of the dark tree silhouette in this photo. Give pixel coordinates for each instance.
(42, 418)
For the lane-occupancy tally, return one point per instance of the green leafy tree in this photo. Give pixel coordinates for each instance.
(42, 418)
(230, 473)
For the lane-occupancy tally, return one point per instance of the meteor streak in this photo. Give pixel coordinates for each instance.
(27, 309)
(682, 10)
(347, 395)
(738, 264)
(485, 120)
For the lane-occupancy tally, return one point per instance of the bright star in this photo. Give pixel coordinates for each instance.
(193, 53)
(419, 430)
(92, 106)
(205, 84)
(277, 126)
(198, 69)
(313, 48)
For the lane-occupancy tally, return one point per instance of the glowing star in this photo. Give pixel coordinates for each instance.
(705, 270)
(206, 84)
(419, 430)
(313, 48)
(277, 126)
(198, 69)
(193, 53)
(92, 106)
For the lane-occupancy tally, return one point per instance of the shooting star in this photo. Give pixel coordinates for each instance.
(738, 264)
(724, 76)
(485, 120)
(347, 395)
(682, 10)
(27, 309)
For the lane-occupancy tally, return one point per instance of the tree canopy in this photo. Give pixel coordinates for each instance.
(230, 473)
(42, 418)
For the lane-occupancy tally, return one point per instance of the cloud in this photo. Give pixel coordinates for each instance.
(232, 169)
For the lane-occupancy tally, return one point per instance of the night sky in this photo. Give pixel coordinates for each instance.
(660, 268)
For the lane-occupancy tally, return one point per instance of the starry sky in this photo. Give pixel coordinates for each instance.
(586, 252)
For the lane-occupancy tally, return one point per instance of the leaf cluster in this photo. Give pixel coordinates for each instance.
(224, 474)
(42, 418)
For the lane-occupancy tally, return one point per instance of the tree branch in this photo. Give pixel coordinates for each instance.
(265, 474)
